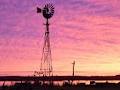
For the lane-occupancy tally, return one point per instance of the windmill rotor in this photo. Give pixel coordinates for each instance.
(48, 11)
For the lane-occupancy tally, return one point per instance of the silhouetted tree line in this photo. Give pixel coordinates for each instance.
(65, 86)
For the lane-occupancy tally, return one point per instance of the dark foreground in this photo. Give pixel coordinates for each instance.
(64, 86)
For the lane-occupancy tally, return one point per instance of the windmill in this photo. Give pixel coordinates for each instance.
(46, 60)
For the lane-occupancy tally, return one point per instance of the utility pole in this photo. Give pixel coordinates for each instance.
(73, 68)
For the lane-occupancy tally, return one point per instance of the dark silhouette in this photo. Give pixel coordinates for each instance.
(65, 86)
(46, 59)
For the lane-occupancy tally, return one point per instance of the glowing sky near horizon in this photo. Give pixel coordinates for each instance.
(87, 31)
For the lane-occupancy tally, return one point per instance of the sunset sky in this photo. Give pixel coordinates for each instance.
(87, 31)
